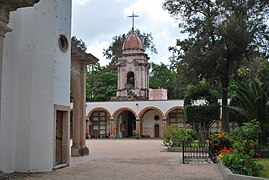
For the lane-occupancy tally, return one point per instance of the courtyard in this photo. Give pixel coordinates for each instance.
(117, 159)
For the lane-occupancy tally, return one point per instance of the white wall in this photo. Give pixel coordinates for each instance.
(34, 73)
(62, 59)
(149, 123)
(136, 106)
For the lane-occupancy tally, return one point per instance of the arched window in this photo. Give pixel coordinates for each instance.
(130, 80)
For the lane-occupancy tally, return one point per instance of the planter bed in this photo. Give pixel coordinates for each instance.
(229, 175)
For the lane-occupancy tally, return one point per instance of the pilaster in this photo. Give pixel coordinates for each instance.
(138, 135)
(111, 129)
(164, 124)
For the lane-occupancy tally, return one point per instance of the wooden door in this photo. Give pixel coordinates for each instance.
(157, 130)
(59, 137)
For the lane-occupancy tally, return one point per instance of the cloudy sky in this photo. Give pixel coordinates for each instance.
(96, 22)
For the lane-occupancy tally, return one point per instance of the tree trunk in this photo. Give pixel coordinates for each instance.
(224, 109)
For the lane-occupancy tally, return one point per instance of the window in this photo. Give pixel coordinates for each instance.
(130, 80)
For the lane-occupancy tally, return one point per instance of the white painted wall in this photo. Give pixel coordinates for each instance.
(149, 123)
(136, 106)
(35, 77)
(62, 59)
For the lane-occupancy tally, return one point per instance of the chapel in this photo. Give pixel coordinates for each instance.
(137, 111)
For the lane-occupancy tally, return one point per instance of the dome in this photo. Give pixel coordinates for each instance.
(132, 42)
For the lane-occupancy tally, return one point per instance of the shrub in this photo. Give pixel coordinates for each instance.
(249, 131)
(241, 163)
(219, 141)
(173, 136)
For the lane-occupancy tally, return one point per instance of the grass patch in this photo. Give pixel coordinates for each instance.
(265, 171)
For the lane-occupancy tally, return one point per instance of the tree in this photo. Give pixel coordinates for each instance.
(115, 48)
(162, 77)
(221, 34)
(80, 43)
(254, 99)
(101, 84)
(202, 116)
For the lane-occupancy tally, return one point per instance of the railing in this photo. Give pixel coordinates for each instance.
(195, 155)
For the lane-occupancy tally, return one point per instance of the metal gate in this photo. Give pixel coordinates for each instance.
(195, 155)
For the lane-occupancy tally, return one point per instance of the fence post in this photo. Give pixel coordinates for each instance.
(183, 152)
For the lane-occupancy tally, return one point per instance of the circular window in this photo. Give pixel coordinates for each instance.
(156, 118)
(63, 42)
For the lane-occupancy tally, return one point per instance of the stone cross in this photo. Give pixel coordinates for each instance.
(133, 16)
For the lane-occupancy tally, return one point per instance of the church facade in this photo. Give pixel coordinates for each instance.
(136, 111)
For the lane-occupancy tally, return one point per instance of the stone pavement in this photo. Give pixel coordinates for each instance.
(128, 159)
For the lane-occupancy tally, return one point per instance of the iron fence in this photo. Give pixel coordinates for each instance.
(200, 154)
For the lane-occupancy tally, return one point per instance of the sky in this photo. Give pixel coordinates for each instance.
(96, 22)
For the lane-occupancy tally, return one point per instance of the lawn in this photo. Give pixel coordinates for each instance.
(265, 171)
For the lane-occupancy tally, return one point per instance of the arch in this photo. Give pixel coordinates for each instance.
(143, 111)
(171, 109)
(130, 84)
(118, 111)
(99, 109)
(75, 86)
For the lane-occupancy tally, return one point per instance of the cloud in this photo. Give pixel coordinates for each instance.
(96, 49)
(97, 22)
(152, 9)
(80, 2)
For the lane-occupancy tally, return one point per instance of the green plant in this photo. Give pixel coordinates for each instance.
(241, 163)
(249, 131)
(173, 136)
(219, 141)
(265, 171)
(202, 116)
(254, 98)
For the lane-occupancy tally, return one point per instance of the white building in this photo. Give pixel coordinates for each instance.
(137, 111)
(35, 84)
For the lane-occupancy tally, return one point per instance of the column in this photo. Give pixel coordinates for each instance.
(112, 136)
(87, 129)
(138, 135)
(79, 147)
(164, 124)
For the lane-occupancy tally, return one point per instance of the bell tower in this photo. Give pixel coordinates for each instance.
(133, 69)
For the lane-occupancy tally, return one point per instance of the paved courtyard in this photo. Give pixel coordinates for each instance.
(128, 159)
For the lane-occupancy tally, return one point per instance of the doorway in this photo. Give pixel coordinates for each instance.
(61, 136)
(157, 130)
(127, 124)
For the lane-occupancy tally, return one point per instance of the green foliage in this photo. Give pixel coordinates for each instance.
(265, 171)
(101, 83)
(205, 114)
(241, 163)
(221, 35)
(201, 117)
(79, 43)
(162, 77)
(219, 141)
(201, 91)
(173, 136)
(239, 151)
(254, 98)
(249, 131)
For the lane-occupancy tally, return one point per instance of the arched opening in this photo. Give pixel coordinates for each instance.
(130, 80)
(176, 116)
(157, 130)
(99, 126)
(127, 124)
(150, 116)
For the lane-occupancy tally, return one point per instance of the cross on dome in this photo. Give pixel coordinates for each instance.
(133, 16)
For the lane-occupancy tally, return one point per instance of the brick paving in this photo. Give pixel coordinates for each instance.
(128, 159)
